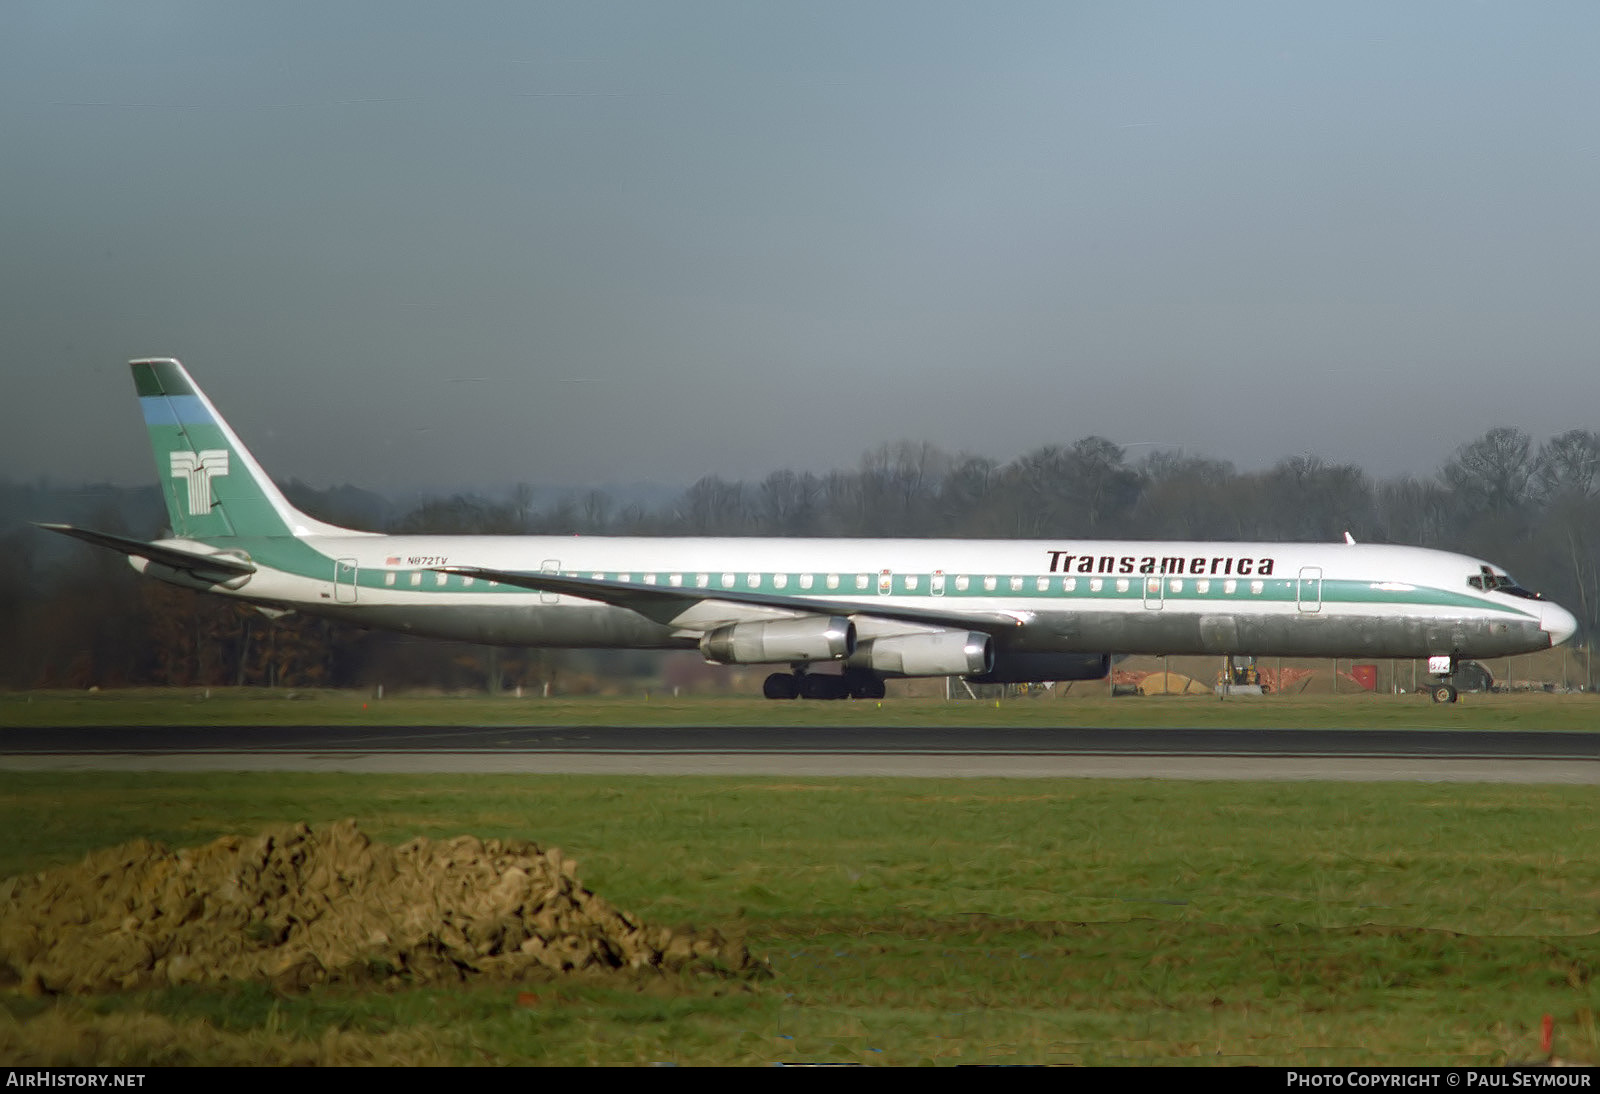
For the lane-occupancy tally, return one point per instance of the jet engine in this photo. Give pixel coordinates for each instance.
(949, 653)
(1026, 668)
(813, 638)
(206, 581)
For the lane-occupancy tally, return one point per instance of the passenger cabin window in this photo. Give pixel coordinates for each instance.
(416, 579)
(440, 579)
(833, 581)
(780, 580)
(962, 581)
(388, 579)
(1043, 584)
(727, 581)
(1016, 584)
(806, 580)
(988, 584)
(863, 581)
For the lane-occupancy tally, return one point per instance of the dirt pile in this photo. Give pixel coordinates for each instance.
(298, 907)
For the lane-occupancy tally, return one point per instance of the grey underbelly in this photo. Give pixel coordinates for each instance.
(550, 625)
(1285, 635)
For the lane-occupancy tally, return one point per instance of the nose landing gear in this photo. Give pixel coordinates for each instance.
(1443, 689)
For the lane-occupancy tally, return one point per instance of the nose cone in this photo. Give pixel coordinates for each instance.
(1558, 623)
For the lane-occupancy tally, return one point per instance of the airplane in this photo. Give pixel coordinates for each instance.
(992, 611)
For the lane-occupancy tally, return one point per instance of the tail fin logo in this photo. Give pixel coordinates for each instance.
(198, 469)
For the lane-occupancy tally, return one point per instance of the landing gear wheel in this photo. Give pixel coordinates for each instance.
(860, 684)
(870, 689)
(1444, 693)
(781, 685)
(822, 686)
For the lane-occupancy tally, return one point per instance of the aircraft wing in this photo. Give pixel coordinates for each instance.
(195, 562)
(703, 608)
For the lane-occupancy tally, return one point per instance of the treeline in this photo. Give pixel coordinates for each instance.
(71, 616)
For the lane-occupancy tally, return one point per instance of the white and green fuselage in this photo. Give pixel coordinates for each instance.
(993, 609)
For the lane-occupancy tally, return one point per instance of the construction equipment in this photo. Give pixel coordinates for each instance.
(1239, 677)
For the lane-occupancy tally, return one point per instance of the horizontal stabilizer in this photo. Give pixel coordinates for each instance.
(177, 558)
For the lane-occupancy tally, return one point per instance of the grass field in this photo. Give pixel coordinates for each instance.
(1576, 711)
(919, 920)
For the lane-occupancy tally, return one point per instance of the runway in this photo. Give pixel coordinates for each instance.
(1168, 753)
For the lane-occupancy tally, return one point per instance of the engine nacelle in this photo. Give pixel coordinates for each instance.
(188, 579)
(1028, 668)
(810, 639)
(952, 653)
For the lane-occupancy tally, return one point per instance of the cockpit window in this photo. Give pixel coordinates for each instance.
(1511, 588)
(1491, 582)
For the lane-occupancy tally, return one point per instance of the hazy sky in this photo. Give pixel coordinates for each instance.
(406, 245)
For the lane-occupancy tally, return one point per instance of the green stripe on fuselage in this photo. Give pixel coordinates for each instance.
(298, 557)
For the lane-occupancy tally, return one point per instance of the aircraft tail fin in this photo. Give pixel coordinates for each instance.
(212, 484)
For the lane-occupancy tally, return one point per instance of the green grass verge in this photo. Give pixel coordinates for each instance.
(923, 920)
(246, 707)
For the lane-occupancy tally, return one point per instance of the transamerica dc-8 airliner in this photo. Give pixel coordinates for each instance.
(989, 610)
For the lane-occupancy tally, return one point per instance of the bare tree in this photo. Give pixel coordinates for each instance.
(712, 507)
(1494, 473)
(967, 503)
(1307, 498)
(1188, 497)
(1415, 511)
(786, 503)
(1568, 466)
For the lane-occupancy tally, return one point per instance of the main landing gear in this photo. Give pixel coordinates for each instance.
(800, 684)
(1443, 689)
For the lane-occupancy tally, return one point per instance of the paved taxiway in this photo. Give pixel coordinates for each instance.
(1255, 754)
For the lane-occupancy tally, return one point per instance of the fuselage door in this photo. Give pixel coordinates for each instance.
(550, 566)
(1308, 590)
(345, 571)
(885, 582)
(1155, 592)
